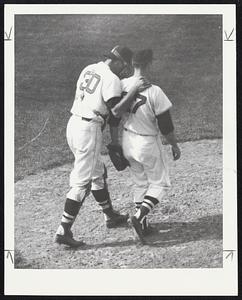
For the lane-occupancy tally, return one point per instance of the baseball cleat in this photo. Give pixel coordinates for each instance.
(116, 219)
(138, 229)
(67, 239)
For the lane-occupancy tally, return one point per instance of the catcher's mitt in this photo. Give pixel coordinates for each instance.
(116, 155)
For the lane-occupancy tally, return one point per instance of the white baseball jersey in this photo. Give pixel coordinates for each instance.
(142, 144)
(148, 104)
(96, 85)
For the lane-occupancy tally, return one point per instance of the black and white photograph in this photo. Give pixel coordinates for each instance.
(122, 155)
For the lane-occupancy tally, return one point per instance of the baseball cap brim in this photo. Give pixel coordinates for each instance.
(111, 56)
(123, 54)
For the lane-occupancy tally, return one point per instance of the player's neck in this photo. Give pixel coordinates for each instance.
(107, 61)
(139, 72)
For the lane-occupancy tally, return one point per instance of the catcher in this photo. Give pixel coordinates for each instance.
(149, 116)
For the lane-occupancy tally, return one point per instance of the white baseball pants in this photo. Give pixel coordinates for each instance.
(147, 166)
(85, 141)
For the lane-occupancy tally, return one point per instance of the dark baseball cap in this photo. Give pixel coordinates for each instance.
(122, 53)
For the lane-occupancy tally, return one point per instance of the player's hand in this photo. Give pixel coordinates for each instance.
(176, 152)
(142, 84)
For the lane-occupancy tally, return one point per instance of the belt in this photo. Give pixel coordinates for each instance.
(138, 133)
(86, 119)
(97, 113)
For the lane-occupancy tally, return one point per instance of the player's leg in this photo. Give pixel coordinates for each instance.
(158, 179)
(131, 149)
(141, 185)
(101, 194)
(139, 178)
(158, 175)
(80, 178)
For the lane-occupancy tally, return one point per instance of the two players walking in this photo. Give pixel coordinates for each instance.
(102, 97)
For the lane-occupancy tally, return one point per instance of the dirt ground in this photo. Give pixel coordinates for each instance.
(189, 220)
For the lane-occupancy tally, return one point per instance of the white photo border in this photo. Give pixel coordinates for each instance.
(223, 281)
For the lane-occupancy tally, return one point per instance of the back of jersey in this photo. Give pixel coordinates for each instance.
(148, 104)
(95, 86)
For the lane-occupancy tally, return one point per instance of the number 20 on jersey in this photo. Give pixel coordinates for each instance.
(91, 81)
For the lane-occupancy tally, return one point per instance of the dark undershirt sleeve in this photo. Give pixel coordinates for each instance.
(165, 123)
(112, 120)
(112, 102)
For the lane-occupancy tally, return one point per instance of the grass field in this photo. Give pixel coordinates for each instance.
(51, 50)
(189, 218)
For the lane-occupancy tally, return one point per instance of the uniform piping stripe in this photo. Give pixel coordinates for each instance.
(103, 203)
(146, 205)
(105, 206)
(150, 203)
(152, 199)
(68, 216)
(66, 220)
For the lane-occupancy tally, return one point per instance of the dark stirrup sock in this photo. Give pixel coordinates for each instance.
(71, 210)
(103, 199)
(147, 205)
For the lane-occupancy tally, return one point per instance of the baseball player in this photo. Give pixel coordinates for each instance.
(98, 93)
(148, 117)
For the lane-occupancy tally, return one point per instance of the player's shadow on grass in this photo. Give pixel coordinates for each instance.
(174, 233)
(170, 234)
(125, 243)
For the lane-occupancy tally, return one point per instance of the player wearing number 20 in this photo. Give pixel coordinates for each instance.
(98, 94)
(149, 115)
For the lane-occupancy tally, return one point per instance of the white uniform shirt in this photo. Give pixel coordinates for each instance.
(95, 86)
(150, 103)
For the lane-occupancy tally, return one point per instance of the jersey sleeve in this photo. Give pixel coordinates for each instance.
(111, 88)
(81, 77)
(161, 102)
(79, 92)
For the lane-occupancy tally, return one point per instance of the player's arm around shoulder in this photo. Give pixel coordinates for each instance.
(139, 84)
(111, 93)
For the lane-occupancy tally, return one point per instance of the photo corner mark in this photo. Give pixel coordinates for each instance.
(9, 255)
(229, 254)
(8, 35)
(228, 35)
